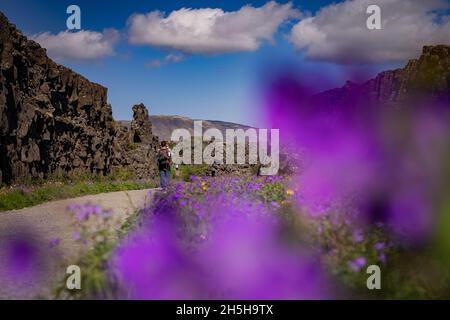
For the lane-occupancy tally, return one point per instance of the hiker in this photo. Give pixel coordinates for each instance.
(164, 164)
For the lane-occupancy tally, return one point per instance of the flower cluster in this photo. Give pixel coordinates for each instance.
(216, 238)
(93, 223)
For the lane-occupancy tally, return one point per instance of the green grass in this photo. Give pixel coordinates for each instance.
(16, 198)
(186, 171)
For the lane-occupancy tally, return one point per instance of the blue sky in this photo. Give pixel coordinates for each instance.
(220, 86)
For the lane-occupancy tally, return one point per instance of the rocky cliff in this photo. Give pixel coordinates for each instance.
(423, 79)
(53, 120)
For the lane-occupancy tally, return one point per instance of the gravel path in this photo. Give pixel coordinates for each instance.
(45, 223)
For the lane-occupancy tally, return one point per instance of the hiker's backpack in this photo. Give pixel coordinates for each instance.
(164, 159)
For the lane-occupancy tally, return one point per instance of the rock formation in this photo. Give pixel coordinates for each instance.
(136, 146)
(424, 79)
(53, 120)
(141, 127)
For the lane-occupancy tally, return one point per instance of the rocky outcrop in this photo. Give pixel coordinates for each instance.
(54, 121)
(136, 146)
(141, 127)
(424, 79)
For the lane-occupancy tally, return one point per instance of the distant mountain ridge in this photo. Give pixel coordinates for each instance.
(163, 125)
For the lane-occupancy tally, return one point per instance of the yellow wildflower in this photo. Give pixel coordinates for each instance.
(290, 192)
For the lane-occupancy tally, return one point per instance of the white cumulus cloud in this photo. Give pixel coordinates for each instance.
(338, 32)
(82, 45)
(209, 30)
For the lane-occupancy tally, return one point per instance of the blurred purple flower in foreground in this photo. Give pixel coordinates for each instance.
(26, 261)
(23, 258)
(239, 256)
(21, 255)
(156, 267)
(249, 262)
(385, 163)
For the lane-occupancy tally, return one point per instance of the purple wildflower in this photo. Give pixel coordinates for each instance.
(379, 246)
(382, 257)
(358, 235)
(275, 204)
(23, 188)
(84, 211)
(54, 242)
(76, 236)
(357, 264)
(240, 257)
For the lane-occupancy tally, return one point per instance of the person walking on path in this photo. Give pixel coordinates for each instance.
(164, 164)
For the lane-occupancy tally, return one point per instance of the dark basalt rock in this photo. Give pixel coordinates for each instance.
(141, 127)
(422, 80)
(136, 146)
(53, 120)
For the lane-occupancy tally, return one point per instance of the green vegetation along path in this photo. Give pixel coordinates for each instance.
(52, 227)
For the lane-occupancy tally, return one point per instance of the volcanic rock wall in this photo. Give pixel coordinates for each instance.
(428, 76)
(53, 120)
(424, 79)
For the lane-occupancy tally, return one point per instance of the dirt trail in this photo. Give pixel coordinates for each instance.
(50, 221)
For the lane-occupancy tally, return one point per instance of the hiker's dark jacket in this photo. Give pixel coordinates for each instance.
(164, 160)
